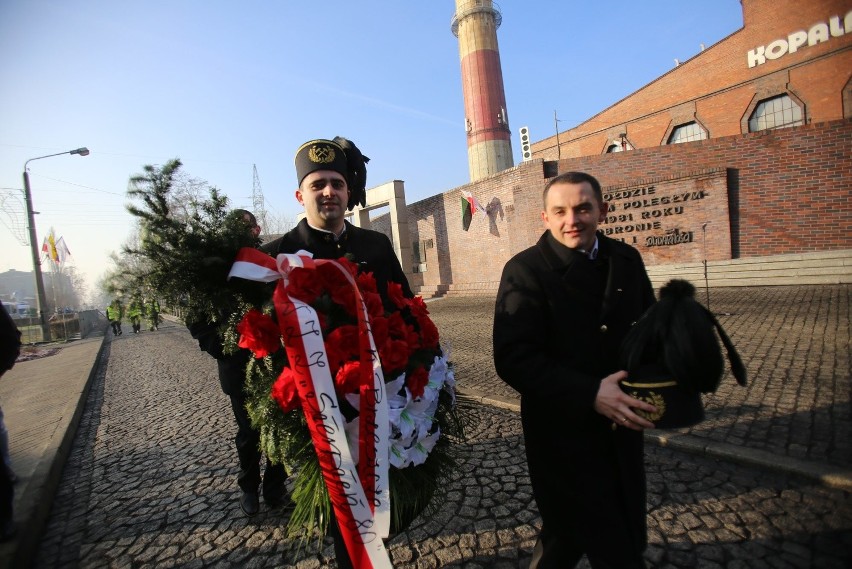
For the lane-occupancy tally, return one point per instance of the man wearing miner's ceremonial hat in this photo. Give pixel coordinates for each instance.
(332, 178)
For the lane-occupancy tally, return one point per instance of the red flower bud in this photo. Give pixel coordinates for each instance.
(284, 391)
(259, 333)
(416, 381)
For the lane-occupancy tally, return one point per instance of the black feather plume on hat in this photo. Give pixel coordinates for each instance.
(357, 172)
(679, 334)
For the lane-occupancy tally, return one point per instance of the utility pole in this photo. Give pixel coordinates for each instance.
(28, 198)
(558, 147)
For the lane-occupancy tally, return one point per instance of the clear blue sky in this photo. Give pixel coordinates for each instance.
(224, 86)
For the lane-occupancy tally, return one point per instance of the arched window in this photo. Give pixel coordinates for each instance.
(618, 145)
(687, 133)
(777, 112)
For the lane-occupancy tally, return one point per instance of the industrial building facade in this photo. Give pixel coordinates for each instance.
(742, 152)
(789, 65)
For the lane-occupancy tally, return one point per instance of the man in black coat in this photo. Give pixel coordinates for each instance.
(332, 178)
(232, 377)
(562, 310)
(10, 348)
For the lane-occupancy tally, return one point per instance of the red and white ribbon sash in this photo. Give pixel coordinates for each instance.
(360, 497)
(254, 265)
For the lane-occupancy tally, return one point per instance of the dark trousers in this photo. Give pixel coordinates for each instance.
(560, 552)
(116, 327)
(248, 451)
(340, 552)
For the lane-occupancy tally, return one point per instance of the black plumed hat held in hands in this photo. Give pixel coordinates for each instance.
(672, 355)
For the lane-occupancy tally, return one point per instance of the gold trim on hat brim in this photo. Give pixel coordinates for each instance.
(650, 385)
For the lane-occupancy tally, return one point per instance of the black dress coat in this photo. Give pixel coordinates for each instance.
(370, 249)
(559, 320)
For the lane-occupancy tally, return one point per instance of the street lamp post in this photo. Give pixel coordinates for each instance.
(28, 198)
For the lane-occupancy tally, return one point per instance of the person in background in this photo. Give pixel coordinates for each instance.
(10, 348)
(563, 308)
(115, 312)
(134, 312)
(232, 377)
(332, 177)
(153, 310)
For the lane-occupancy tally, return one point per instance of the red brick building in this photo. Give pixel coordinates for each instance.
(790, 63)
(743, 152)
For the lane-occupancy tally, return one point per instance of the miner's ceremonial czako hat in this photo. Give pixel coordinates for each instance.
(338, 155)
(672, 356)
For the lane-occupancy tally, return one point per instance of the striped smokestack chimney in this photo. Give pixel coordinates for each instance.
(489, 145)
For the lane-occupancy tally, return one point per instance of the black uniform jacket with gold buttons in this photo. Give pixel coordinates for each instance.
(558, 323)
(370, 249)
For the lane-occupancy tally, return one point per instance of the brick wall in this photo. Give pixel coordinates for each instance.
(718, 89)
(788, 191)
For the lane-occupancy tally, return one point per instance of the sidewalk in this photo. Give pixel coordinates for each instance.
(43, 400)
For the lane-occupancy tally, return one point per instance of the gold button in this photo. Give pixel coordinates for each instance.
(603, 329)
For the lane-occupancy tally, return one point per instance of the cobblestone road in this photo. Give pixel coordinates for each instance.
(794, 342)
(151, 478)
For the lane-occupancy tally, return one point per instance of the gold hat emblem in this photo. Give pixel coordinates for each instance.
(654, 399)
(321, 154)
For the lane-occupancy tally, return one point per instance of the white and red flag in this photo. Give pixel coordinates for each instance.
(469, 206)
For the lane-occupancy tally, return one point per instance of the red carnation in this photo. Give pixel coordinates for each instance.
(351, 268)
(259, 333)
(418, 307)
(331, 276)
(396, 326)
(304, 285)
(345, 297)
(366, 282)
(428, 332)
(374, 304)
(395, 295)
(284, 391)
(411, 338)
(348, 378)
(394, 355)
(379, 327)
(416, 381)
(337, 285)
(341, 345)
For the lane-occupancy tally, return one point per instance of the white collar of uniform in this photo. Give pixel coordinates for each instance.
(342, 232)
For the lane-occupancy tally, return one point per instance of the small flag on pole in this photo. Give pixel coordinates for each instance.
(48, 247)
(56, 251)
(62, 250)
(469, 206)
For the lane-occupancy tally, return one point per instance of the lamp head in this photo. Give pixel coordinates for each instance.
(81, 151)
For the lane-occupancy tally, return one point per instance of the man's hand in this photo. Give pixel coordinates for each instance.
(613, 403)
